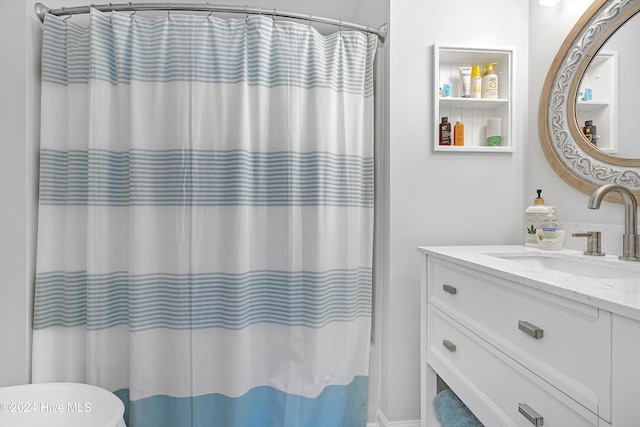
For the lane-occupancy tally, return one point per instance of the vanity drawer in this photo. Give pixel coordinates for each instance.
(495, 387)
(564, 342)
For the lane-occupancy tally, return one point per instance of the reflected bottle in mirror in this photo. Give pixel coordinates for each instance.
(590, 131)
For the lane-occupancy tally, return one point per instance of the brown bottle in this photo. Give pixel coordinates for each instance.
(445, 132)
(590, 131)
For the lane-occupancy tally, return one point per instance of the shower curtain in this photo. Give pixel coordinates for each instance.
(205, 218)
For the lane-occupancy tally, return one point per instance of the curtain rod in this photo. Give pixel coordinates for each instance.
(41, 10)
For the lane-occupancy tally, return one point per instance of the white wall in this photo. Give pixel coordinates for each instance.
(17, 192)
(548, 28)
(442, 198)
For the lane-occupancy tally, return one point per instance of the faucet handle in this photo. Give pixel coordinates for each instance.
(593, 242)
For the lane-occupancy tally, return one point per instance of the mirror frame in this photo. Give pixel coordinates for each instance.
(567, 150)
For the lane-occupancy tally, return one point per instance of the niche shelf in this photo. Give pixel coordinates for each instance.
(473, 112)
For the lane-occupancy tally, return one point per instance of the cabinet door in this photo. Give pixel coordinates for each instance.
(564, 342)
(495, 387)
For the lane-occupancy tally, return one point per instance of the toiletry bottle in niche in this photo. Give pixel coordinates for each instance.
(490, 82)
(465, 82)
(476, 82)
(494, 131)
(446, 90)
(534, 216)
(458, 133)
(445, 132)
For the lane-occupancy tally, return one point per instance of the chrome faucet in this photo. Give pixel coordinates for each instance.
(630, 239)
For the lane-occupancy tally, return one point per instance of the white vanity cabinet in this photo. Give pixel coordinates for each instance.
(514, 354)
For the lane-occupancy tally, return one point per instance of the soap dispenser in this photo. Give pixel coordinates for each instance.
(490, 82)
(534, 216)
(549, 234)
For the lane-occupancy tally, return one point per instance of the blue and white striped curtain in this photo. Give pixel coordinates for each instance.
(205, 218)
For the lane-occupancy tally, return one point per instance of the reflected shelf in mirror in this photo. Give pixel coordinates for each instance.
(624, 43)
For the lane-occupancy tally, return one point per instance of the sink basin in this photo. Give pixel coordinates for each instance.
(586, 267)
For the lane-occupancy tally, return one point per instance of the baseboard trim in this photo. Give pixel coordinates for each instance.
(382, 421)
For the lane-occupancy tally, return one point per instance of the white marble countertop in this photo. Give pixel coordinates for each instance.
(605, 281)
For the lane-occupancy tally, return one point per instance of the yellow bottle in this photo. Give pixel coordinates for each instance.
(476, 82)
(490, 82)
(458, 133)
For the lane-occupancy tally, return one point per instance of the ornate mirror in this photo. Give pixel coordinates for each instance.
(569, 149)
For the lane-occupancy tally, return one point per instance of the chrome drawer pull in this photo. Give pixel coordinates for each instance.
(449, 289)
(449, 345)
(530, 329)
(531, 415)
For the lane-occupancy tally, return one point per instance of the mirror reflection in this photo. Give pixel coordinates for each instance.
(606, 104)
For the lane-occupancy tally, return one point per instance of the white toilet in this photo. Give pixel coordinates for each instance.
(59, 405)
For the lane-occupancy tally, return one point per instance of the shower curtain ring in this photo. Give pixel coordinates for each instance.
(63, 10)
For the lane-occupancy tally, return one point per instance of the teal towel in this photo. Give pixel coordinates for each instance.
(451, 412)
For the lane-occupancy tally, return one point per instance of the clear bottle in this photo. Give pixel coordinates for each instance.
(445, 131)
(549, 234)
(534, 216)
(458, 133)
